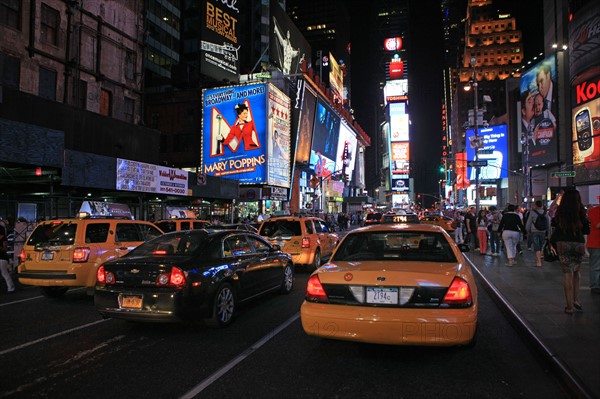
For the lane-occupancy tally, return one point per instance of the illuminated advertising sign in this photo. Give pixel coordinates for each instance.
(396, 69)
(586, 130)
(395, 90)
(346, 150)
(308, 101)
(584, 41)
(539, 111)
(148, 178)
(220, 40)
(287, 46)
(495, 140)
(234, 132)
(398, 122)
(325, 140)
(392, 44)
(462, 179)
(279, 129)
(399, 160)
(336, 77)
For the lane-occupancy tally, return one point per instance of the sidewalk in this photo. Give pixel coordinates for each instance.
(533, 298)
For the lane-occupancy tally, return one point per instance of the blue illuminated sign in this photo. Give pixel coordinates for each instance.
(495, 141)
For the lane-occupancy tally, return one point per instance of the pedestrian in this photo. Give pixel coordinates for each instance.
(10, 286)
(511, 227)
(482, 231)
(458, 232)
(495, 216)
(538, 228)
(568, 241)
(471, 226)
(593, 246)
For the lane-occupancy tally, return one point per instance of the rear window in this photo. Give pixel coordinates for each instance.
(281, 228)
(395, 246)
(166, 226)
(59, 233)
(172, 244)
(373, 216)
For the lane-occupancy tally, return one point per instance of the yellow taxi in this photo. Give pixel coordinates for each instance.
(444, 222)
(308, 239)
(395, 284)
(66, 252)
(177, 224)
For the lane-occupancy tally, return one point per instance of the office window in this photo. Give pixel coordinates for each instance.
(10, 13)
(49, 25)
(80, 94)
(130, 65)
(129, 108)
(10, 71)
(47, 84)
(105, 102)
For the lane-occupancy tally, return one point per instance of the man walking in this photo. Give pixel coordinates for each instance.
(471, 226)
(538, 228)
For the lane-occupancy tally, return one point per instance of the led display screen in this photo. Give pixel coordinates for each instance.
(325, 140)
(495, 142)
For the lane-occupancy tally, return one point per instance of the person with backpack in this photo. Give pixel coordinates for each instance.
(538, 227)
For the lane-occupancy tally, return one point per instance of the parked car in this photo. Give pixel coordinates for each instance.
(190, 275)
(66, 252)
(397, 284)
(443, 221)
(306, 238)
(176, 224)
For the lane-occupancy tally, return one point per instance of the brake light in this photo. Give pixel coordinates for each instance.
(314, 289)
(104, 277)
(459, 293)
(81, 254)
(305, 242)
(22, 256)
(175, 278)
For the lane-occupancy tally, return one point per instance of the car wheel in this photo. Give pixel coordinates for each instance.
(288, 279)
(223, 307)
(54, 292)
(317, 260)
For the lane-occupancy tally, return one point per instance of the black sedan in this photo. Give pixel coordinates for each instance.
(188, 275)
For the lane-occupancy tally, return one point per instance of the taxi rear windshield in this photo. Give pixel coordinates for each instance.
(399, 246)
(53, 234)
(281, 228)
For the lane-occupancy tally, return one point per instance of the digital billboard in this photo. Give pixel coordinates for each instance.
(398, 122)
(395, 90)
(287, 46)
(495, 141)
(279, 127)
(336, 77)
(308, 103)
(148, 178)
(325, 140)
(586, 130)
(539, 111)
(238, 130)
(346, 150)
(220, 40)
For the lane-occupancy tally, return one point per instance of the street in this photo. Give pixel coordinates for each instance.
(63, 348)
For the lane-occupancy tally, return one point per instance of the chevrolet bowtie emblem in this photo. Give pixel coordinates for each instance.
(135, 271)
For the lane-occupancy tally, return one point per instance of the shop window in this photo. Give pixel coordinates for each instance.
(49, 25)
(10, 13)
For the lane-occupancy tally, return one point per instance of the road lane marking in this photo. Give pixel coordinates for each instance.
(21, 300)
(37, 341)
(223, 370)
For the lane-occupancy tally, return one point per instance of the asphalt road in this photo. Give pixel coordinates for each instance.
(63, 349)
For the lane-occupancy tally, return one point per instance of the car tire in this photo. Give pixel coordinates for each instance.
(223, 308)
(317, 260)
(54, 292)
(288, 279)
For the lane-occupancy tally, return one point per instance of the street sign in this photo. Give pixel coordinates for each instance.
(485, 152)
(564, 174)
(201, 179)
(478, 164)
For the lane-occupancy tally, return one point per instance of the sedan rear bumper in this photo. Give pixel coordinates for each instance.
(390, 326)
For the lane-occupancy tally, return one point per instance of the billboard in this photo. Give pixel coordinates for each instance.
(584, 42)
(287, 46)
(586, 130)
(148, 178)
(398, 122)
(399, 164)
(219, 57)
(495, 140)
(395, 90)
(325, 140)
(336, 77)
(539, 111)
(346, 150)
(238, 130)
(279, 132)
(306, 123)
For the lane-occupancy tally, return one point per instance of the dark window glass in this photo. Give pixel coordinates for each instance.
(96, 232)
(129, 108)
(166, 226)
(80, 94)
(10, 71)
(128, 232)
(130, 65)
(47, 84)
(49, 25)
(280, 228)
(309, 227)
(10, 13)
(53, 234)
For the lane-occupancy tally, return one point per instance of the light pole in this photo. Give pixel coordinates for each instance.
(476, 114)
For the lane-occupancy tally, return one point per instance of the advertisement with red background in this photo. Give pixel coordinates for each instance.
(586, 130)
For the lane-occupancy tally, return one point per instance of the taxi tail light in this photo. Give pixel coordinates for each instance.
(104, 277)
(174, 278)
(315, 290)
(22, 256)
(459, 293)
(81, 254)
(305, 242)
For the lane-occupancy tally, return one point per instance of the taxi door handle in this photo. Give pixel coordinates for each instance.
(123, 248)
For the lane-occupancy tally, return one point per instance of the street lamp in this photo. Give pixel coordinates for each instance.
(476, 119)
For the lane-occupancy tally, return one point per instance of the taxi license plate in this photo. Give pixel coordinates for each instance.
(47, 255)
(131, 301)
(381, 295)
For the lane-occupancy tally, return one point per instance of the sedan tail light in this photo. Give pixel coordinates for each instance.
(175, 278)
(314, 290)
(305, 242)
(81, 254)
(458, 294)
(104, 277)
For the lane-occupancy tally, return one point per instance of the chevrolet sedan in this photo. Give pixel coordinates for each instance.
(398, 284)
(190, 275)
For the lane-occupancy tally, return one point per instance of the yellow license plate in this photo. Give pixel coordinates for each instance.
(131, 301)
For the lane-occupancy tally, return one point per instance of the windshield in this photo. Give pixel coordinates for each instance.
(58, 233)
(278, 228)
(395, 245)
(182, 244)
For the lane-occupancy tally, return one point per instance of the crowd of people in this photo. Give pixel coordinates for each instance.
(566, 230)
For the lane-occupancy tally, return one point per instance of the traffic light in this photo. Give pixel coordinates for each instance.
(442, 168)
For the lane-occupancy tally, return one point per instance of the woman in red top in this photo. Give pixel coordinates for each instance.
(242, 130)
